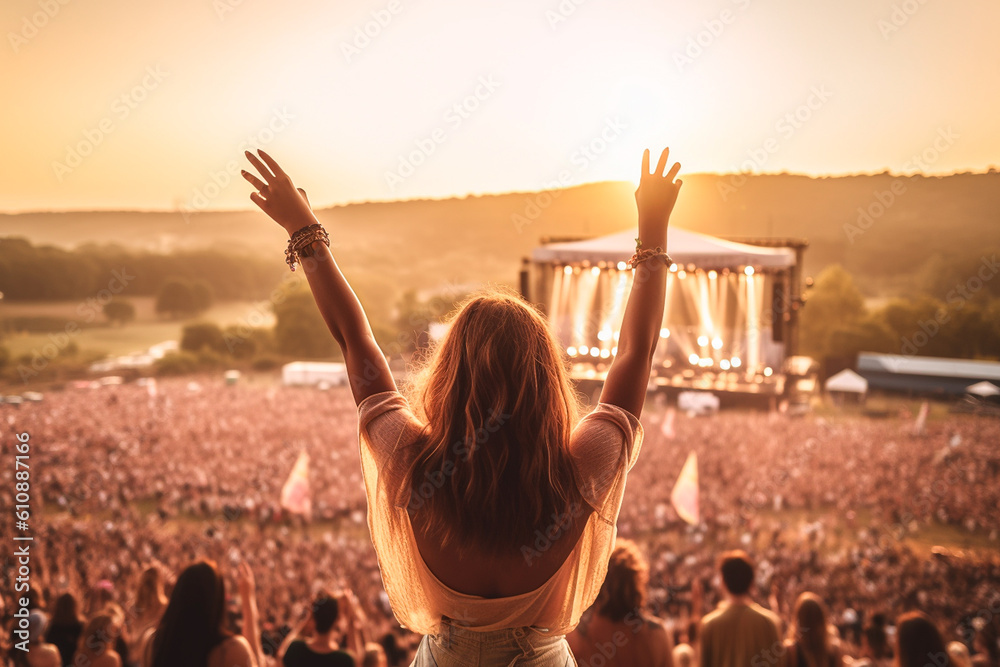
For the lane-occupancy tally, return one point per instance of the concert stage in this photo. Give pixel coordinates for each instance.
(730, 319)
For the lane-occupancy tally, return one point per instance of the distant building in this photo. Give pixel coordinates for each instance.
(315, 373)
(925, 375)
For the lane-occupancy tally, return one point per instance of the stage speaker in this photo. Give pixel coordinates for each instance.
(779, 305)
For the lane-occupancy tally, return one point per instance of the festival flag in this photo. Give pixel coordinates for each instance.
(295, 492)
(918, 427)
(684, 497)
(668, 423)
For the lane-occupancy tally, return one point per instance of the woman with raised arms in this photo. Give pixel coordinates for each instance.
(491, 453)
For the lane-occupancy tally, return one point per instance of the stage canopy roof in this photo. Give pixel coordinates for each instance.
(684, 247)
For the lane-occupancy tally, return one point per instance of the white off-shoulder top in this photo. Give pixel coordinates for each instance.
(604, 447)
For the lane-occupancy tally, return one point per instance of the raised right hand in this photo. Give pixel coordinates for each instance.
(655, 198)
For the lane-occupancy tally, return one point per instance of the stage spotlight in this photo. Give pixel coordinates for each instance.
(614, 351)
(603, 334)
(748, 270)
(595, 271)
(703, 340)
(617, 335)
(571, 351)
(705, 361)
(736, 362)
(717, 343)
(712, 275)
(664, 333)
(724, 364)
(681, 274)
(568, 270)
(673, 268)
(605, 354)
(584, 350)
(694, 359)
(768, 372)
(594, 352)
(622, 266)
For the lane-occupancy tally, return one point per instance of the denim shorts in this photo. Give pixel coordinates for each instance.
(458, 646)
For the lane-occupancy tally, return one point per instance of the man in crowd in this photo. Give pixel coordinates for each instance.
(739, 633)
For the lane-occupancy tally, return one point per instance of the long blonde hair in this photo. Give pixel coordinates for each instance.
(493, 462)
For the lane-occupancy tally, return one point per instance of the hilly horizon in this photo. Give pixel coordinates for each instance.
(906, 221)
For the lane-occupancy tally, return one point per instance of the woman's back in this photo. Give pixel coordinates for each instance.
(547, 582)
(636, 641)
(65, 637)
(519, 571)
(233, 651)
(305, 654)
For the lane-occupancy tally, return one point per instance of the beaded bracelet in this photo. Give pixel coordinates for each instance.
(642, 255)
(303, 239)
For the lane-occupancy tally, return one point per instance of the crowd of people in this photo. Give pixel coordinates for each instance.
(132, 487)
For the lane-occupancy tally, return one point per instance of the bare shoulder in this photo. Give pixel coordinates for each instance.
(108, 659)
(232, 652)
(49, 655)
(657, 628)
(654, 622)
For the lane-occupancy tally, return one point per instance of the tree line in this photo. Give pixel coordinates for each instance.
(48, 273)
(954, 313)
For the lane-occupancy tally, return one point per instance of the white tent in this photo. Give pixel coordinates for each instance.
(683, 246)
(847, 381)
(983, 389)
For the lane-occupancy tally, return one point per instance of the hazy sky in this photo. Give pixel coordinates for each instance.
(121, 104)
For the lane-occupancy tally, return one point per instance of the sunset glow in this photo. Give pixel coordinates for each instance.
(120, 104)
